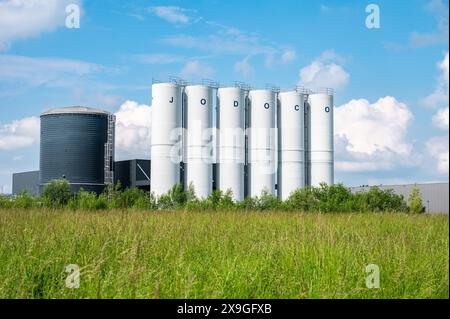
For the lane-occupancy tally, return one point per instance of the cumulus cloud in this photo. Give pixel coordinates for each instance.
(371, 136)
(172, 14)
(440, 119)
(196, 70)
(19, 134)
(133, 130)
(439, 150)
(325, 71)
(440, 95)
(21, 19)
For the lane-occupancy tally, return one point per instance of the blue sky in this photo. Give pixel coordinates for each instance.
(391, 116)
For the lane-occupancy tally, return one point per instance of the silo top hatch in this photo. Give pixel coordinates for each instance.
(75, 110)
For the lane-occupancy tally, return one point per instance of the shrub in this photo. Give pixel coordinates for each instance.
(174, 199)
(88, 201)
(5, 202)
(415, 205)
(378, 200)
(57, 193)
(24, 200)
(267, 201)
(301, 200)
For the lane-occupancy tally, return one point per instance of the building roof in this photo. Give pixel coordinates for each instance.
(75, 110)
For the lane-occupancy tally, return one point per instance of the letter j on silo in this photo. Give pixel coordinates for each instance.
(373, 19)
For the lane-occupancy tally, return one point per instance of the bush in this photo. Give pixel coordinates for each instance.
(377, 200)
(174, 199)
(415, 205)
(88, 201)
(130, 198)
(301, 200)
(24, 200)
(57, 194)
(267, 201)
(5, 202)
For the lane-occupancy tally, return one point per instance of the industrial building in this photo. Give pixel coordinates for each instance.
(133, 174)
(77, 144)
(264, 139)
(434, 195)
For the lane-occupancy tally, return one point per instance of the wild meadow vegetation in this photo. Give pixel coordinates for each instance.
(127, 244)
(326, 199)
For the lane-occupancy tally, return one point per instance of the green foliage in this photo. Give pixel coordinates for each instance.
(377, 200)
(57, 194)
(5, 202)
(174, 199)
(415, 204)
(301, 200)
(24, 200)
(88, 201)
(325, 199)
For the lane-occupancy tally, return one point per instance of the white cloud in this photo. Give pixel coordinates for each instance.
(21, 19)
(440, 95)
(172, 14)
(133, 130)
(243, 67)
(439, 150)
(19, 134)
(44, 71)
(325, 72)
(288, 56)
(371, 136)
(196, 70)
(440, 119)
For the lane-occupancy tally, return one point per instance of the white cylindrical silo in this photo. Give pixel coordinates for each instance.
(262, 137)
(166, 137)
(231, 140)
(198, 139)
(291, 143)
(321, 145)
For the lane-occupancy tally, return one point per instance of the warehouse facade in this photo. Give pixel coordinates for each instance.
(434, 195)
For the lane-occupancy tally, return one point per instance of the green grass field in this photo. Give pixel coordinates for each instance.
(136, 254)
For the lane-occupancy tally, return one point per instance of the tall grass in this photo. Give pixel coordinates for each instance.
(222, 254)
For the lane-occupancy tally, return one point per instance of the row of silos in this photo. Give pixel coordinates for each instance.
(277, 142)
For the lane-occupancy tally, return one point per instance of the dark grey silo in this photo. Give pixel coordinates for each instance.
(73, 143)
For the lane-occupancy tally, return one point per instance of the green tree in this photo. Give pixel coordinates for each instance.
(415, 204)
(57, 193)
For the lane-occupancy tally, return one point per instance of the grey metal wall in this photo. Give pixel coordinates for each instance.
(27, 181)
(73, 145)
(130, 175)
(434, 195)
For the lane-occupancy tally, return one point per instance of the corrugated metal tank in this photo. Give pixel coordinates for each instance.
(231, 140)
(74, 147)
(321, 145)
(291, 143)
(166, 148)
(198, 139)
(261, 142)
